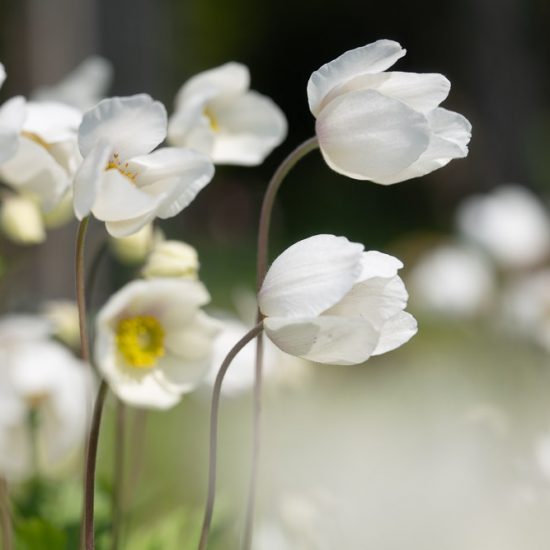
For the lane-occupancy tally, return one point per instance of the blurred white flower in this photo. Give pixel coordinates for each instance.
(39, 377)
(83, 87)
(217, 114)
(134, 248)
(21, 220)
(122, 182)
(12, 116)
(510, 223)
(63, 316)
(383, 126)
(172, 259)
(153, 341)
(452, 280)
(328, 301)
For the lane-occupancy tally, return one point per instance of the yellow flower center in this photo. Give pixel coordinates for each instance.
(116, 164)
(211, 119)
(140, 340)
(36, 138)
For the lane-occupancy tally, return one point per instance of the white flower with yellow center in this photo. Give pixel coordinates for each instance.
(154, 342)
(217, 114)
(12, 116)
(120, 181)
(381, 126)
(326, 300)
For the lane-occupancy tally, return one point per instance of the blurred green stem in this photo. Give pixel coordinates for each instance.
(290, 161)
(5, 516)
(214, 413)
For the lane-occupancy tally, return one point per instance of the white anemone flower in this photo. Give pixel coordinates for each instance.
(122, 182)
(153, 341)
(326, 300)
(510, 223)
(39, 377)
(217, 114)
(383, 126)
(12, 116)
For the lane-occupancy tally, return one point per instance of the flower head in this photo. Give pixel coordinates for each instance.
(153, 341)
(328, 301)
(383, 126)
(120, 180)
(217, 114)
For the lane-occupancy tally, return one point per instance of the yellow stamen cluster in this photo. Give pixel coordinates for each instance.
(140, 340)
(116, 164)
(211, 119)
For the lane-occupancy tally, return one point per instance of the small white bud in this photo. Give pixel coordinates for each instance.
(172, 259)
(21, 220)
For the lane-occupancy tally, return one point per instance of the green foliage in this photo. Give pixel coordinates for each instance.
(38, 534)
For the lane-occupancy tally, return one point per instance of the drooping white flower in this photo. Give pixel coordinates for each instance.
(328, 301)
(39, 376)
(172, 259)
(12, 116)
(452, 280)
(217, 114)
(383, 126)
(153, 341)
(122, 182)
(511, 223)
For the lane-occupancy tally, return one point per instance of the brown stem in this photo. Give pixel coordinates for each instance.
(214, 413)
(81, 289)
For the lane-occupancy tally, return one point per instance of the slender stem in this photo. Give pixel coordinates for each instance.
(81, 288)
(214, 413)
(118, 481)
(91, 459)
(5, 516)
(261, 268)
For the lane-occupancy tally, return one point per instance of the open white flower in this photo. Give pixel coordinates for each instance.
(154, 342)
(120, 181)
(328, 301)
(217, 114)
(12, 116)
(510, 223)
(383, 126)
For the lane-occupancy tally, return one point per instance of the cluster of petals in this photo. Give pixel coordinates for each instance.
(120, 180)
(327, 300)
(216, 113)
(40, 376)
(383, 126)
(154, 342)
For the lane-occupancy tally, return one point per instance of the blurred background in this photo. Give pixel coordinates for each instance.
(443, 444)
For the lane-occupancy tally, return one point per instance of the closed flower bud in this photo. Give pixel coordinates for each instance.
(21, 220)
(172, 259)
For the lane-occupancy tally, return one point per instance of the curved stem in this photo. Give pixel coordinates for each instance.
(5, 516)
(89, 478)
(118, 481)
(214, 413)
(81, 288)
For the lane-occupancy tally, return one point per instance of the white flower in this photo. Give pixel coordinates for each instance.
(120, 181)
(21, 220)
(40, 376)
(12, 116)
(510, 223)
(153, 341)
(328, 301)
(383, 126)
(83, 87)
(217, 114)
(172, 259)
(452, 280)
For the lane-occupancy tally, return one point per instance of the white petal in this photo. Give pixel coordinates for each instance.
(12, 116)
(126, 228)
(378, 264)
(181, 375)
(395, 332)
(53, 122)
(132, 125)
(87, 180)
(365, 135)
(2, 74)
(177, 175)
(250, 127)
(325, 339)
(369, 59)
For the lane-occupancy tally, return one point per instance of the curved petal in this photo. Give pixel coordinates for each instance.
(12, 116)
(325, 339)
(127, 228)
(450, 135)
(132, 125)
(176, 175)
(378, 264)
(395, 332)
(369, 59)
(182, 375)
(250, 127)
(367, 136)
(310, 276)
(88, 179)
(53, 122)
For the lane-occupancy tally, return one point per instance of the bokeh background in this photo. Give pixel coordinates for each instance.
(442, 444)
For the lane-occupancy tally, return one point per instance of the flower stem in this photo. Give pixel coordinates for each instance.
(214, 413)
(118, 481)
(261, 268)
(5, 516)
(91, 459)
(81, 288)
